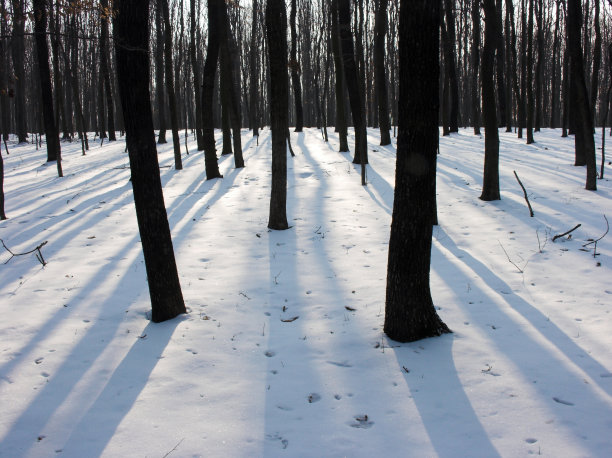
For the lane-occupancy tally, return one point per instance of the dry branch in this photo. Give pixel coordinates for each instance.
(39, 255)
(524, 193)
(565, 233)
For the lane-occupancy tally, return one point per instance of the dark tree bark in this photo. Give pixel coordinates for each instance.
(450, 61)
(231, 77)
(196, 76)
(131, 34)
(500, 71)
(490, 182)
(566, 95)
(60, 112)
(341, 124)
(105, 73)
(276, 32)
(554, 116)
(475, 64)
(409, 311)
(294, 65)
(585, 143)
(18, 53)
(224, 92)
(51, 132)
(380, 27)
(596, 62)
(530, 100)
(352, 83)
(253, 112)
(4, 88)
(539, 72)
(522, 110)
(176, 141)
(159, 71)
(208, 87)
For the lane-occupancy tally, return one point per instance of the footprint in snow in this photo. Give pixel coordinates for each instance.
(531, 440)
(361, 421)
(562, 401)
(313, 397)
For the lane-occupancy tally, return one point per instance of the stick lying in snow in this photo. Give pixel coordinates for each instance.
(565, 233)
(524, 193)
(39, 255)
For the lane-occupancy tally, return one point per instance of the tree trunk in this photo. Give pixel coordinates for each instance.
(131, 34)
(380, 27)
(584, 125)
(530, 101)
(105, 73)
(176, 141)
(276, 32)
(490, 182)
(522, 122)
(409, 311)
(596, 62)
(231, 78)
(352, 83)
(539, 73)
(294, 65)
(18, 54)
(475, 64)
(51, 132)
(2, 214)
(554, 116)
(253, 112)
(451, 62)
(341, 124)
(208, 88)
(196, 76)
(159, 71)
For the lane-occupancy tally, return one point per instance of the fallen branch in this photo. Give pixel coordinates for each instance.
(39, 255)
(510, 260)
(565, 233)
(525, 194)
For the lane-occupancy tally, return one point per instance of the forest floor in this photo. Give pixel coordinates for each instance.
(282, 352)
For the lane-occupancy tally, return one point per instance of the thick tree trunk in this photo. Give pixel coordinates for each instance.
(208, 88)
(176, 141)
(51, 132)
(500, 71)
(380, 27)
(352, 83)
(584, 125)
(276, 32)
(341, 123)
(409, 311)
(131, 33)
(490, 182)
(522, 111)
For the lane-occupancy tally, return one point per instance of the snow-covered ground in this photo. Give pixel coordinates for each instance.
(282, 352)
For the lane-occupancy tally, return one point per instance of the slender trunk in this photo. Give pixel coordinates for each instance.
(475, 64)
(208, 87)
(253, 112)
(490, 182)
(18, 54)
(530, 100)
(554, 116)
(352, 83)
(294, 65)
(380, 27)
(176, 141)
(341, 123)
(596, 62)
(159, 72)
(105, 73)
(196, 76)
(51, 132)
(585, 142)
(451, 63)
(539, 66)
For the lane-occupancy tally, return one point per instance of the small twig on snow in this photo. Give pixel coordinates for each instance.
(39, 255)
(510, 260)
(524, 193)
(565, 233)
(175, 447)
(595, 241)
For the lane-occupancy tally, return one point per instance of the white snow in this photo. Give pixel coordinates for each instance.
(83, 372)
